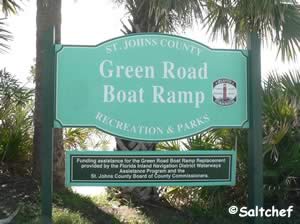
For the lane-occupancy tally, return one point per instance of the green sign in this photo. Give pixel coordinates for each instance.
(149, 168)
(150, 87)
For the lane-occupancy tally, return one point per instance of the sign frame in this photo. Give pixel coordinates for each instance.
(58, 123)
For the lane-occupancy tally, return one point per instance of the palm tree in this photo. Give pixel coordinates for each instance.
(160, 15)
(281, 117)
(154, 16)
(272, 21)
(48, 12)
(281, 94)
(10, 6)
(16, 120)
(7, 7)
(277, 22)
(5, 36)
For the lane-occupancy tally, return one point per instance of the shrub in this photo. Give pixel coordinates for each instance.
(16, 125)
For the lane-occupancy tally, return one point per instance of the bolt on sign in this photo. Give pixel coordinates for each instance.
(150, 87)
(150, 168)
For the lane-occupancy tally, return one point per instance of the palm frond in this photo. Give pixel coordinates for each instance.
(171, 145)
(281, 106)
(218, 19)
(288, 32)
(5, 37)
(276, 21)
(160, 15)
(10, 6)
(288, 81)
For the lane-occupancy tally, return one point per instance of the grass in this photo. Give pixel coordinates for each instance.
(30, 213)
(72, 208)
(69, 208)
(65, 216)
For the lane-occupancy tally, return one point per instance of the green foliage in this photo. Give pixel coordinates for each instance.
(5, 36)
(182, 197)
(83, 205)
(15, 119)
(281, 104)
(30, 214)
(10, 6)
(160, 15)
(175, 145)
(69, 208)
(277, 22)
(281, 122)
(65, 216)
(7, 7)
(83, 138)
(202, 141)
(75, 138)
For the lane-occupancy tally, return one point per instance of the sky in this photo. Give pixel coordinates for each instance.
(90, 23)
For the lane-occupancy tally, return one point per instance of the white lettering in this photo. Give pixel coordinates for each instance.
(184, 97)
(168, 70)
(122, 96)
(172, 72)
(157, 94)
(101, 69)
(107, 70)
(108, 94)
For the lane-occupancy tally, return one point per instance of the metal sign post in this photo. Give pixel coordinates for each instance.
(255, 155)
(46, 152)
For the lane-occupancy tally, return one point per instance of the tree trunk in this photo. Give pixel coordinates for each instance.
(139, 22)
(41, 28)
(138, 193)
(44, 19)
